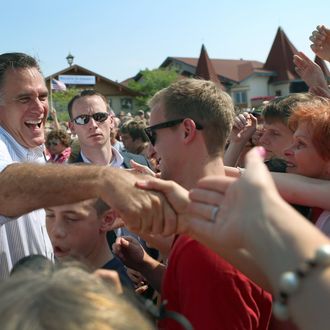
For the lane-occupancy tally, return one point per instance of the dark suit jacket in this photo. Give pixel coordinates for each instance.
(127, 157)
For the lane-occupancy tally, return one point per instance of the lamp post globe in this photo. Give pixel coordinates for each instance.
(70, 58)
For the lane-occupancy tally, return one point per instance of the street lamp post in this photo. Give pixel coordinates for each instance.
(70, 58)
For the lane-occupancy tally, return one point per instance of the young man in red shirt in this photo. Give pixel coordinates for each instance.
(190, 122)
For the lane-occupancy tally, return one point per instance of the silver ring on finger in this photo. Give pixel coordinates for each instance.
(214, 213)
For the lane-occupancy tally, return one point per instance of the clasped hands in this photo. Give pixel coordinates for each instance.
(196, 212)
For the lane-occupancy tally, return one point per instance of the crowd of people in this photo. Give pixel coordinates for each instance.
(191, 217)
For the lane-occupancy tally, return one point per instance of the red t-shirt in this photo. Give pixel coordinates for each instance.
(210, 292)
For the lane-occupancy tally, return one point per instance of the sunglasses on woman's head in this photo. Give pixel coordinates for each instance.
(84, 119)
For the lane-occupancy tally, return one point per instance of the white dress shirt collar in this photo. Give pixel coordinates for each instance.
(117, 159)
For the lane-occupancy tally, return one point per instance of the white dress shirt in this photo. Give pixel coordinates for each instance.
(25, 235)
(116, 161)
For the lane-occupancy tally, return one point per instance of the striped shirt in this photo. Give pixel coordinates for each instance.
(25, 235)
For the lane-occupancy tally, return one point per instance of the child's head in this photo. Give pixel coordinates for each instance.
(65, 298)
(277, 135)
(57, 140)
(78, 230)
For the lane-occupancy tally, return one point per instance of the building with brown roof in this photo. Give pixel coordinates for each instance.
(250, 82)
(121, 98)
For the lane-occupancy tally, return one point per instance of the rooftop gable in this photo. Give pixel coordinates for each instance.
(280, 58)
(206, 70)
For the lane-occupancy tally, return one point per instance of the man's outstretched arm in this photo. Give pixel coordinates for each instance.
(26, 187)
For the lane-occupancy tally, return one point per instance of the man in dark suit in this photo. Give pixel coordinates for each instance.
(91, 121)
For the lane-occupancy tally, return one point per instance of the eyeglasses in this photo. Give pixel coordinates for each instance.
(100, 117)
(52, 143)
(151, 130)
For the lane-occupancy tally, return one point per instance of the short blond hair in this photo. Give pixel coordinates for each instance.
(66, 298)
(203, 102)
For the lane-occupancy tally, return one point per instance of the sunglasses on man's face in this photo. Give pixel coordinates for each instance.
(100, 117)
(151, 130)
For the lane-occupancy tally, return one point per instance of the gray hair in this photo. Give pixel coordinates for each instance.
(15, 61)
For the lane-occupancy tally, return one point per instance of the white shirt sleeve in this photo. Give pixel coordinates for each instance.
(323, 223)
(5, 160)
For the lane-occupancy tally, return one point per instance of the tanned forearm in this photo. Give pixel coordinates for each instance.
(26, 187)
(297, 189)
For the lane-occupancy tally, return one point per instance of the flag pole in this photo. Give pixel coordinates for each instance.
(51, 94)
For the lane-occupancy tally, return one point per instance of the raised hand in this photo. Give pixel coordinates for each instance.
(245, 124)
(142, 169)
(309, 71)
(241, 206)
(321, 42)
(324, 92)
(130, 251)
(132, 254)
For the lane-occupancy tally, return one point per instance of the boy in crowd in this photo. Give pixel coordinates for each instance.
(134, 138)
(79, 231)
(277, 135)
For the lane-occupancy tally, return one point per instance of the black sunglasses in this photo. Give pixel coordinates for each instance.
(151, 130)
(98, 116)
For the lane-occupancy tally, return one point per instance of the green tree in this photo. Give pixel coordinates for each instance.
(151, 81)
(61, 100)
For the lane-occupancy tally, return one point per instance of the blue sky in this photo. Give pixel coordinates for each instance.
(118, 38)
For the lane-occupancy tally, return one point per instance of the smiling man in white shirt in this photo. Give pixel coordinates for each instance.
(25, 188)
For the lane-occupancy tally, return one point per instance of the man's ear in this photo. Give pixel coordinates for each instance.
(110, 221)
(112, 122)
(189, 130)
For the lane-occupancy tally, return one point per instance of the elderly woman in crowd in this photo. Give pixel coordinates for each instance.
(58, 145)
